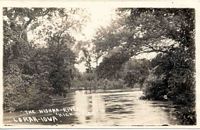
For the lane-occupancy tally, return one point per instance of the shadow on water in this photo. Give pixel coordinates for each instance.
(110, 108)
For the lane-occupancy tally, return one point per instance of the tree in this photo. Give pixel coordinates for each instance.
(87, 58)
(174, 67)
(62, 61)
(37, 69)
(18, 53)
(136, 71)
(169, 33)
(110, 65)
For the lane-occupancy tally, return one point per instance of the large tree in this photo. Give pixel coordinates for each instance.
(169, 33)
(148, 30)
(37, 44)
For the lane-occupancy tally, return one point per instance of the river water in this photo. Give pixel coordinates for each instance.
(106, 108)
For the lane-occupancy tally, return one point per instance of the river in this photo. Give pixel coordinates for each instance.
(104, 108)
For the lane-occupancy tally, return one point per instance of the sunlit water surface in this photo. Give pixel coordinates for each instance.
(110, 108)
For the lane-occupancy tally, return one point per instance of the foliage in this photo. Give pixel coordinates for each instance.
(136, 71)
(169, 33)
(22, 91)
(173, 79)
(62, 60)
(110, 65)
(38, 68)
(87, 58)
(88, 81)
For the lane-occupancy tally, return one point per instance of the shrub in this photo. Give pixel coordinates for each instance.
(25, 91)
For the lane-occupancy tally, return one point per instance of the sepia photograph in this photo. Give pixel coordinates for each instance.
(99, 67)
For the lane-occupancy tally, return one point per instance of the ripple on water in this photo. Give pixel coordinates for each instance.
(112, 108)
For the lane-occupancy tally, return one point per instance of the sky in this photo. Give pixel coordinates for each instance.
(98, 17)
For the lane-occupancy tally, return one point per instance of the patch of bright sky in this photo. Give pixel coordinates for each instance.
(148, 56)
(98, 17)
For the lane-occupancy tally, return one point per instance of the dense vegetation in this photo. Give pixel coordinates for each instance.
(36, 70)
(34, 73)
(167, 32)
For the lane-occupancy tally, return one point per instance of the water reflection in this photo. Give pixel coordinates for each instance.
(98, 108)
(110, 108)
(87, 106)
(121, 108)
(81, 106)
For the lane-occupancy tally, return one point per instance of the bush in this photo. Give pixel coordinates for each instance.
(24, 91)
(172, 78)
(186, 115)
(88, 81)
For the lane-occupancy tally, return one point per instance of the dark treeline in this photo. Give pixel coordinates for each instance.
(34, 73)
(167, 32)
